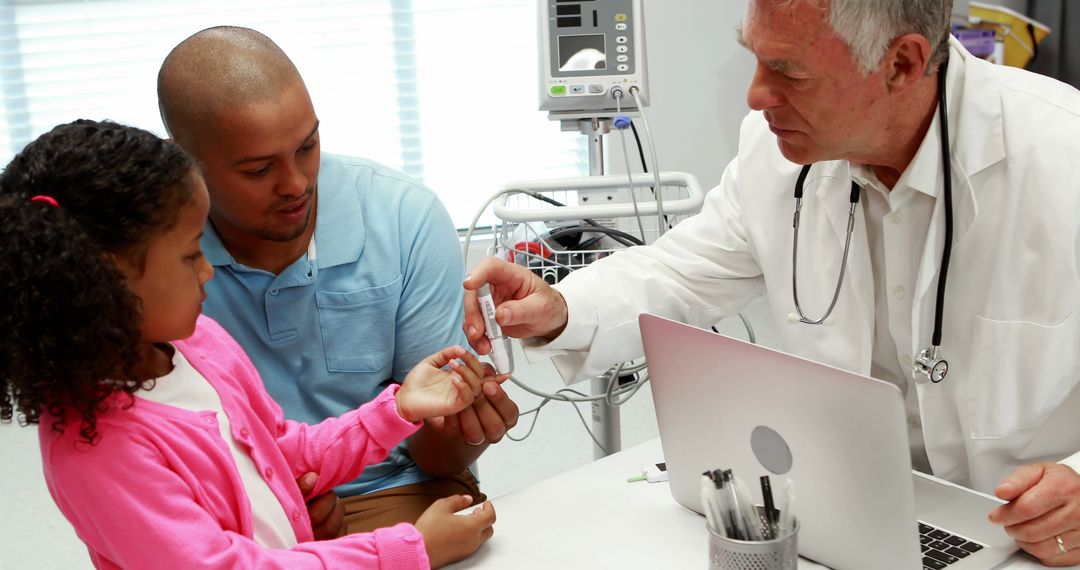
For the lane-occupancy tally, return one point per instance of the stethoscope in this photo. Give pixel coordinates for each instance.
(930, 362)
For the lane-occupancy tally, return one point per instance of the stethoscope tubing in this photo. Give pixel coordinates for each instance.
(939, 308)
(946, 166)
(854, 201)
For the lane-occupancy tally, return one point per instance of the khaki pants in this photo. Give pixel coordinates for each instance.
(365, 513)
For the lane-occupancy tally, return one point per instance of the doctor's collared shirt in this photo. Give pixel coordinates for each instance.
(896, 226)
(383, 292)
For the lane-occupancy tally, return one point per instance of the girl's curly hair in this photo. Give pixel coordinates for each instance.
(69, 326)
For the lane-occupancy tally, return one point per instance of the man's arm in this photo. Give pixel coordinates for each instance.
(429, 318)
(442, 446)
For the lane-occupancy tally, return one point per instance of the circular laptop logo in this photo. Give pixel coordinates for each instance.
(771, 450)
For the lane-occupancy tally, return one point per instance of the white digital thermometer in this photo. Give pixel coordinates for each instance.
(500, 345)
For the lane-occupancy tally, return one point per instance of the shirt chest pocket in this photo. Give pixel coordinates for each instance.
(358, 327)
(1020, 373)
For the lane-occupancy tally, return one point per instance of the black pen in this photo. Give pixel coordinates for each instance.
(738, 514)
(770, 510)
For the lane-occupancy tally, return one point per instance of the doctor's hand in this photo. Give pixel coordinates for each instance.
(1043, 514)
(526, 306)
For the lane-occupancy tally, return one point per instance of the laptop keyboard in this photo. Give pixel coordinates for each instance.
(941, 548)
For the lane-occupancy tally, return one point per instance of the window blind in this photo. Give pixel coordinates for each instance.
(445, 92)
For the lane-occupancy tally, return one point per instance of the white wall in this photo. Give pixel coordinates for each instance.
(697, 76)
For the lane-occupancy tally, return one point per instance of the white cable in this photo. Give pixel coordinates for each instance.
(472, 226)
(655, 165)
(556, 396)
(613, 382)
(611, 394)
(476, 218)
(749, 329)
(585, 424)
(532, 425)
(537, 409)
(626, 157)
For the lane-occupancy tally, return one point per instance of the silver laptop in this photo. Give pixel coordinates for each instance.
(724, 403)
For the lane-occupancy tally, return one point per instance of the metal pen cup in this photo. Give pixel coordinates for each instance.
(777, 554)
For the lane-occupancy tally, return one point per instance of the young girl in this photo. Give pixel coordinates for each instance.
(159, 443)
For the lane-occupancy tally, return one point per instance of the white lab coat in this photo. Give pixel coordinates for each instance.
(1012, 309)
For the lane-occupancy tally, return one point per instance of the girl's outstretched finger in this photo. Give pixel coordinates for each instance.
(465, 394)
(474, 364)
(444, 356)
(472, 381)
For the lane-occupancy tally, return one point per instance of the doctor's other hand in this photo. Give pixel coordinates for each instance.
(526, 306)
(449, 537)
(326, 511)
(1043, 513)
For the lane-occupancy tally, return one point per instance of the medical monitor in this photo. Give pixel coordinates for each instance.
(588, 48)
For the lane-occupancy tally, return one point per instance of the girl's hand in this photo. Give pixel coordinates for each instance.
(449, 537)
(430, 391)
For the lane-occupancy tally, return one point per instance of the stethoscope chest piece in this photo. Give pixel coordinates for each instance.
(930, 366)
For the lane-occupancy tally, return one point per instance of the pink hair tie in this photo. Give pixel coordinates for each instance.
(43, 199)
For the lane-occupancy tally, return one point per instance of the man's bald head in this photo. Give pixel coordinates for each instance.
(215, 71)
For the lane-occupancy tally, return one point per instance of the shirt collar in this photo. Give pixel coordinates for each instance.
(213, 250)
(339, 227)
(923, 174)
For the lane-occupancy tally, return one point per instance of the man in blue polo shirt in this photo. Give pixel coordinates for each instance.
(335, 274)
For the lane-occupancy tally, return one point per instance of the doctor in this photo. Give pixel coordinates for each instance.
(852, 87)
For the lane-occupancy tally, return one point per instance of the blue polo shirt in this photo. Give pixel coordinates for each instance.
(383, 292)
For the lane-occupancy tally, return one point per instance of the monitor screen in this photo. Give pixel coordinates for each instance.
(582, 53)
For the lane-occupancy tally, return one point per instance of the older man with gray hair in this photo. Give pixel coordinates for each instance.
(965, 243)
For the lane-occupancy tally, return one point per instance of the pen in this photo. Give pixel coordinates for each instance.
(787, 514)
(736, 508)
(770, 511)
(708, 504)
(723, 509)
(501, 356)
(752, 520)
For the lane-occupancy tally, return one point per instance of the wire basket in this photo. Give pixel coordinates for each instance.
(556, 226)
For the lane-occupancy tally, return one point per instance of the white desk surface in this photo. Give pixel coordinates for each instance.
(590, 517)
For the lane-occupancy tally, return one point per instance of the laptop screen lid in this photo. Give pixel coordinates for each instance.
(846, 433)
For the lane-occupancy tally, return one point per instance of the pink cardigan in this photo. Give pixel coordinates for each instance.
(160, 488)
